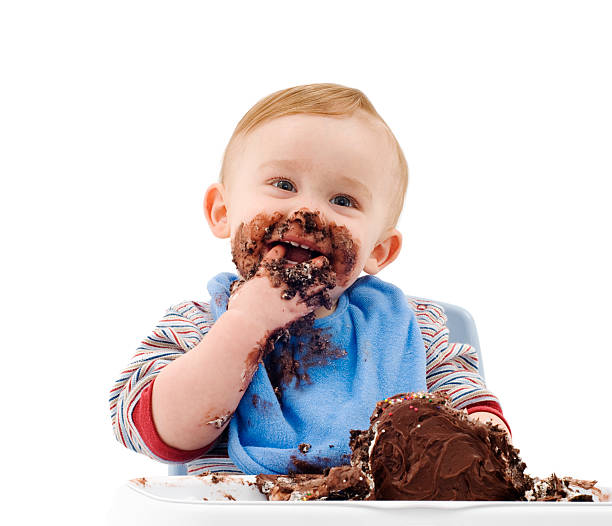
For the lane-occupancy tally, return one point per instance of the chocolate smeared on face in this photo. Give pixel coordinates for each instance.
(255, 238)
(249, 243)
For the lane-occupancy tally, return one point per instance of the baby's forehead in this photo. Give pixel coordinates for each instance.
(335, 150)
(287, 136)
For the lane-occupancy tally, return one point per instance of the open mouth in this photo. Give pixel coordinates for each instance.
(295, 252)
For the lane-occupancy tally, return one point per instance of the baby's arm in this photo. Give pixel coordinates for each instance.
(453, 369)
(181, 328)
(194, 396)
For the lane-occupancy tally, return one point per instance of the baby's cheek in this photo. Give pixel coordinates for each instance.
(248, 243)
(345, 251)
(245, 252)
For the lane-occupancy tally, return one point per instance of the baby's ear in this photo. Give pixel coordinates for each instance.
(215, 210)
(385, 251)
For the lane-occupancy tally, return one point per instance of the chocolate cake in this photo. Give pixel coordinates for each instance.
(419, 448)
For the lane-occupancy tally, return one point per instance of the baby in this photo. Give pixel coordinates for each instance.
(287, 357)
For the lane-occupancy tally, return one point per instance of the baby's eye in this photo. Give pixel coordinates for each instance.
(342, 200)
(283, 184)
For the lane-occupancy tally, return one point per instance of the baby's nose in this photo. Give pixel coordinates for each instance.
(311, 219)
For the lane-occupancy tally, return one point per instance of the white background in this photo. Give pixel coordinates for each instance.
(113, 120)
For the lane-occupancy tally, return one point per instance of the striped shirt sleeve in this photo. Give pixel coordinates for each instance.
(182, 328)
(451, 367)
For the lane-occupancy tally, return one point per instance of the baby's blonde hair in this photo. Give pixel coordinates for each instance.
(321, 99)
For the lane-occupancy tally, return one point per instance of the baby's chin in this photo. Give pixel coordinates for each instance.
(334, 295)
(344, 283)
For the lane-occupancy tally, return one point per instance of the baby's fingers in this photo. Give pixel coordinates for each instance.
(319, 261)
(317, 293)
(276, 252)
(312, 291)
(271, 257)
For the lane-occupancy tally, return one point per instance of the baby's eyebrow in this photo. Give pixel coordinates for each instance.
(297, 164)
(285, 163)
(356, 183)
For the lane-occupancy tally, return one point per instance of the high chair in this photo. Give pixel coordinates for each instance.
(462, 329)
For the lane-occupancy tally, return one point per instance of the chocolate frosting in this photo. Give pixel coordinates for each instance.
(425, 450)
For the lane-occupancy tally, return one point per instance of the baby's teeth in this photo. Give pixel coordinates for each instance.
(298, 245)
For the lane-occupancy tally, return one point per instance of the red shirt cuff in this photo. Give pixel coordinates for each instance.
(489, 407)
(142, 416)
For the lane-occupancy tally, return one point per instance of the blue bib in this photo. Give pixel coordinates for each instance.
(385, 355)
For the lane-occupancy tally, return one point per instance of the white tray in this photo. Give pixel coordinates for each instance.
(236, 500)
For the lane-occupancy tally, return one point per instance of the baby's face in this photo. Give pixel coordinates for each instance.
(323, 182)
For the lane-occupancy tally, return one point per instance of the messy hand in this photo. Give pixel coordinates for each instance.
(267, 298)
(484, 417)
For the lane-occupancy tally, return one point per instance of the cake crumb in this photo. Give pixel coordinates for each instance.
(220, 421)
